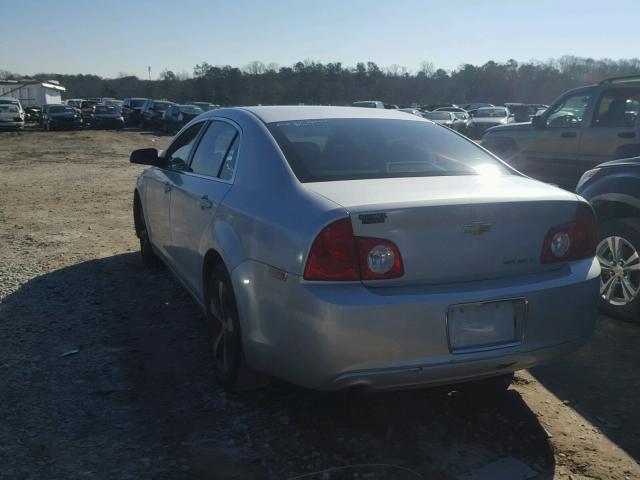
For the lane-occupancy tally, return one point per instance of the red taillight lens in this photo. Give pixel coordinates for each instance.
(572, 240)
(336, 255)
(333, 255)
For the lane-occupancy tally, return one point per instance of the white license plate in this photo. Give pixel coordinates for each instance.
(478, 326)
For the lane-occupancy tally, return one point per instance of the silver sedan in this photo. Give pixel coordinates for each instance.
(339, 247)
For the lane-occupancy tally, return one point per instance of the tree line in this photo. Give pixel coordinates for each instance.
(312, 82)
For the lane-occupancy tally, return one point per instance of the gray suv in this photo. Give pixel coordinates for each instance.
(581, 129)
(613, 189)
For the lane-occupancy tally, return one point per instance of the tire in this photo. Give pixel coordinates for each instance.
(149, 257)
(620, 277)
(229, 363)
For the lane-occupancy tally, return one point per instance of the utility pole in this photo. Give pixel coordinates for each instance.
(149, 70)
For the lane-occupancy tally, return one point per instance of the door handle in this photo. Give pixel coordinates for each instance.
(627, 135)
(205, 202)
(568, 134)
(167, 187)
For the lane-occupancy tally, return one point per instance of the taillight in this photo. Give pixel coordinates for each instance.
(337, 255)
(333, 255)
(379, 259)
(572, 240)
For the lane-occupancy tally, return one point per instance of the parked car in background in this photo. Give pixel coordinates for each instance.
(13, 101)
(10, 117)
(475, 105)
(75, 102)
(485, 118)
(434, 106)
(131, 108)
(368, 104)
(114, 102)
(444, 263)
(87, 107)
(205, 106)
(177, 116)
(448, 119)
(613, 188)
(391, 106)
(107, 116)
(412, 111)
(33, 114)
(581, 129)
(62, 117)
(461, 113)
(450, 109)
(152, 113)
(45, 111)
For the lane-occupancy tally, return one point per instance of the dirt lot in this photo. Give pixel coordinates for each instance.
(105, 372)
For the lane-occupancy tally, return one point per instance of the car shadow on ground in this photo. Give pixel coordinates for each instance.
(106, 374)
(602, 380)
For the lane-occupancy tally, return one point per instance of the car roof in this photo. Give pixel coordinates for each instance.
(283, 113)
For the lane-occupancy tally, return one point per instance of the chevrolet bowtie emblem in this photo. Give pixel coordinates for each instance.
(477, 228)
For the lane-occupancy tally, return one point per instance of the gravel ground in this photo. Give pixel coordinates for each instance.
(105, 371)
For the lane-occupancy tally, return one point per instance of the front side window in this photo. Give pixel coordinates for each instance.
(355, 149)
(178, 153)
(570, 112)
(213, 149)
(617, 108)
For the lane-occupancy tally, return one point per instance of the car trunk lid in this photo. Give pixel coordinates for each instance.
(453, 229)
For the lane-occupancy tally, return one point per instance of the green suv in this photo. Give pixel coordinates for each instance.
(581, 129)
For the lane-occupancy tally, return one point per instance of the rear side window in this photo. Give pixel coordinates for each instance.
(213, 149)
(617, 108)
(353, 149)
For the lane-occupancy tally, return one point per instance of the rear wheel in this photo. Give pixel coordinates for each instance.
(618, 254)
(229, 364)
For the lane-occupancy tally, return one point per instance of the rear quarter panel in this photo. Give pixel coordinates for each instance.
(267, 215)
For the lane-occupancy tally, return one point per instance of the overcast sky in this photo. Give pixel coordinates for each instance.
(118, 36)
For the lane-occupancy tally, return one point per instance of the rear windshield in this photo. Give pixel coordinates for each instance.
(8, 108)
(490, 112)
(138, 102)
(60, 109)
(354, 149)
(105, 109)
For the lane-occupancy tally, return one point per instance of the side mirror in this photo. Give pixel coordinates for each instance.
(146, 156)
(538, 122)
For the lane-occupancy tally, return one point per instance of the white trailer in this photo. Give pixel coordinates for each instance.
(32, 93)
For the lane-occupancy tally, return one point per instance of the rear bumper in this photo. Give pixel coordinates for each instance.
(330, 337)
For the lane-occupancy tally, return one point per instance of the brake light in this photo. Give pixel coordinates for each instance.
(337, 255)
(573, 240)
(333, 255)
